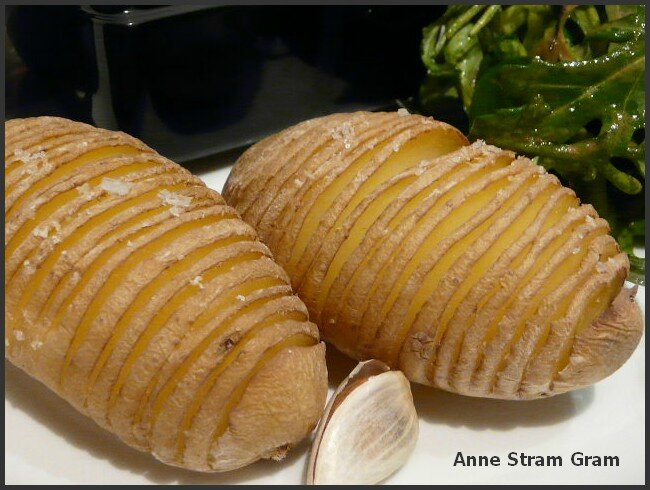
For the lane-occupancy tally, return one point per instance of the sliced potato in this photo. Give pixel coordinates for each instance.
(138, 295)
(465, 266)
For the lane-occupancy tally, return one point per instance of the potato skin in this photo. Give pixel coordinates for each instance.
(467, 267)
(135, 293)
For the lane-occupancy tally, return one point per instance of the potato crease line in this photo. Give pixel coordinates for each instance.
(85, 323)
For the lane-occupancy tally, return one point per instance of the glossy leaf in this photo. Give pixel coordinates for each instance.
(562, 84)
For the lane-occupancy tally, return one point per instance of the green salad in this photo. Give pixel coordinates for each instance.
(562, 84)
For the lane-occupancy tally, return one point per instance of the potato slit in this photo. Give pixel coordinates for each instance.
(162, 316)
(228, 298)
(65, 170)
(569, 266)
(591, 311)
(283, 184)
(243, 289)
(17, 132)
(62, 199)
(490, 259)
(487, 260)
(594, 307)
(515, 229)
(285, 156)
(544, 256)
(411, 206)
(13, 163)
(297, 340)
(324, 201)
(447, 196)
(142, 218)
(305, 181)
(207, 385)
(117, 277)
(454, 220)
(553, 217)
(357, 233)
(163, 207)
(95, 222)
(87, 209)
(426, 146)
(149, 291)
(440, 185)
(280, 186)
(560, 274)
(448, 260)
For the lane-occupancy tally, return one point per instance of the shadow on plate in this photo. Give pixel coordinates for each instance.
(213, 162)
(440, 407)
(433, 406)
(48, 409)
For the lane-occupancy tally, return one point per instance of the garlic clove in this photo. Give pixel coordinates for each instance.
(368, 430)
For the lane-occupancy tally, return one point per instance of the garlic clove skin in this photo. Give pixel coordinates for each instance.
(368, 430)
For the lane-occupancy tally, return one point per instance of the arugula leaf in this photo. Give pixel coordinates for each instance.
(541, 108)
(564, 85)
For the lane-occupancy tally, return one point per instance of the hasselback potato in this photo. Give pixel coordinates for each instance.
(469, 268)
(139, 296)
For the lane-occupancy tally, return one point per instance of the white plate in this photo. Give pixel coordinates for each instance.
(46, 441)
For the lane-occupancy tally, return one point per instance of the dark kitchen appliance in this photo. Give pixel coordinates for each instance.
(193, 81)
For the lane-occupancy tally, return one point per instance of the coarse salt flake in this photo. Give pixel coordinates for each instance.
(174, 199)
(36, 344)
(198, 282)
(115, 186)
(175, 211)
(29, 170)
(403, 111)
(19, 335)
(41, 231)
(345, 133)
(85, 190)
(27, 157)
(241, 297)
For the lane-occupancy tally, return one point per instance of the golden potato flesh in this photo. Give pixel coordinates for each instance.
(465, 266)
(137, 294)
